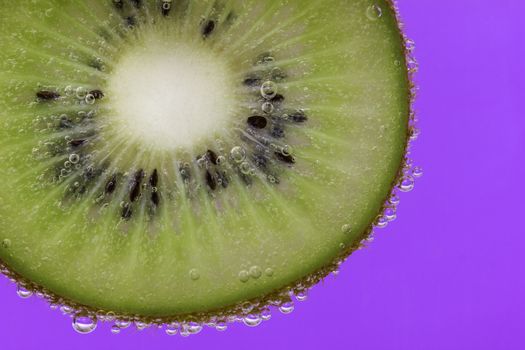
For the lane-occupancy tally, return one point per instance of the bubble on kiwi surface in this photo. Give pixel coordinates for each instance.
(195, 163)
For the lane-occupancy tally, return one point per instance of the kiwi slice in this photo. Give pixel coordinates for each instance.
(194, 161)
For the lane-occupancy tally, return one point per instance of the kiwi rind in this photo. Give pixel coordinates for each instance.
(275, 298)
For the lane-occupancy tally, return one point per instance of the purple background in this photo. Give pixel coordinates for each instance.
(449, 273)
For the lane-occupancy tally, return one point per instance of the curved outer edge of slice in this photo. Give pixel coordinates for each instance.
(278, 297)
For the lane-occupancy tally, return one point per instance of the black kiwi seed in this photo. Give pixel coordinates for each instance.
(252, 82)
(212, 157)
(65, 123)
(136, 3)
(208, 28)
(277, 131)
(118, 4)
(278, 98)
(257, 122)
(131, 21)
(224, 179)
(46, 95)
(165, 8)
(289, 159)
(111, 185)
(77, 143)
(134, 192)
(126, 211)
(298, 117)
(97, 94)
(155, 198)
(260, 161)
(211, 181)
(154, 178)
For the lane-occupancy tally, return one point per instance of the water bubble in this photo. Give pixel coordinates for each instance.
(84, 324)
(141, 325)
(81, 92)
(267, 107)
(286, 151)
(374, 12)
(66, 310)
(417, 172)
(394, 199)
(269, 90)
(68, 90)
(221, 160)
(252, 320)
(238, 154)
(301, 295)
(277, 73)
(415, 132)
(269, 272)
(245, 168)
(266, 314)
(287, 307)
(122, 324)
(255, 272)
(184, 331)
(194, 327)
(23, 293)
(194, 274)
(90, 99)
(390, 214)
(6, 243)
(381, 222)
(346, 229)
(407, 184)
(115, 329)
(221, 326)
(244, 276)
(74, 158)
(172, 330)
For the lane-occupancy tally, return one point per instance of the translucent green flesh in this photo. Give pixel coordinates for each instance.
(345, 67)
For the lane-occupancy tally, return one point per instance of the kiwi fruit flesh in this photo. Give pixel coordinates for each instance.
(191, 160)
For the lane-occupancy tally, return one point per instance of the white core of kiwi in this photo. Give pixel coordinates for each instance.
(170, 95)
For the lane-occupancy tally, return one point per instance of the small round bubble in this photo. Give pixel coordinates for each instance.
(346, 229)
(23, 293)
(374, 12)
(245, 168)
(84, 324)
(287, 308)
(269, 90)
(238, 154)
(244, 276)
(90, 99)
(407, 184)
(221, 326)
(74, 158)
(194, 274)
(252, 320)
(267, 107)
(6, 243)
(81, 92)
(255, 272)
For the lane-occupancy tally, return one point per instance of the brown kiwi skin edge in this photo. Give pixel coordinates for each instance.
(256, 305)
